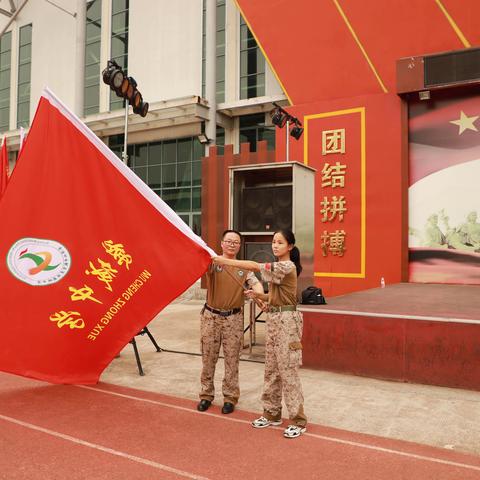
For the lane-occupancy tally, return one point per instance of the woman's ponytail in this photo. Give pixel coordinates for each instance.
(295, 258)
(294, 252)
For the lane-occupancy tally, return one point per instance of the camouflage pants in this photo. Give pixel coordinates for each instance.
(283, 358)
(227, 332)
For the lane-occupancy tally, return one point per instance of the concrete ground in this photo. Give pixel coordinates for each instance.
(441, 417)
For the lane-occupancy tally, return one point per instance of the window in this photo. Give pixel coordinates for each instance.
(220, 51)
(24, 71)
(92, 57)
(220, 140)
(253, 129)
(119, 46)
(252, 65)
(5, 68)
(172, 169)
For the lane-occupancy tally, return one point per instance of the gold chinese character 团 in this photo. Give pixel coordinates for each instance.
(333, 242)
(333, 141)
(85, 293)
(117, 252)
(332, 208)
(333, 175)
(68, 319)
(105, 273)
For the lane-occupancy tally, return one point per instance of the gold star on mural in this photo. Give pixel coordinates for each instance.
(465, 123)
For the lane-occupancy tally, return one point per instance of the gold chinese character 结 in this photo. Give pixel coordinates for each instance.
(333, 208)
(333, 175)
(105, 273)
(85, 293)
(333, 141)
(333, 242)
(117, 252)
(68, 319)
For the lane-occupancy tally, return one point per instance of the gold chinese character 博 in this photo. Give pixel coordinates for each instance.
(333, 242)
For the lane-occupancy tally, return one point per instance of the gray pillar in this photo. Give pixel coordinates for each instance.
(80, 31)
(211, 69)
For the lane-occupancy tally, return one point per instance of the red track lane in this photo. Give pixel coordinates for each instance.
(73, 432)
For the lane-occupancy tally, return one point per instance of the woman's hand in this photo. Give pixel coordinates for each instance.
(218, 260)
(256, 297)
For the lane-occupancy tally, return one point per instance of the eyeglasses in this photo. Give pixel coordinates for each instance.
(230, 242)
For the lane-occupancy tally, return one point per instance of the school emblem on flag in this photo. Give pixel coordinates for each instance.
(38, 262)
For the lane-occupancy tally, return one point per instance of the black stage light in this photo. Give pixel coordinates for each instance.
(296, 131)
(113, 75)
(131, 89)
(135, 99)
(279, 118)
(142, 110)
(124, 87)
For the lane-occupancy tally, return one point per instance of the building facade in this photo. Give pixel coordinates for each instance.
(195, 80)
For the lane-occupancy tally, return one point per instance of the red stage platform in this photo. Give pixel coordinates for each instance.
(420, 333)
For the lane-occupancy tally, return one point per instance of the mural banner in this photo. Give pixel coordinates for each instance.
(444, 231)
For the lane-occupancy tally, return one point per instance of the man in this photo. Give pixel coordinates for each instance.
(221, 324)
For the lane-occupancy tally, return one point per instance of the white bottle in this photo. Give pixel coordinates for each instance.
(382, 283)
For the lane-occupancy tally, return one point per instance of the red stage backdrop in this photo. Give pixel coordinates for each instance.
(340, 57)
(371, 170)
(91, 254)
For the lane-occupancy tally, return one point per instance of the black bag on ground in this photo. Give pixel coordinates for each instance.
(313, 296)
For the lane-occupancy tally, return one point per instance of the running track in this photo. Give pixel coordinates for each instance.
(109, 432)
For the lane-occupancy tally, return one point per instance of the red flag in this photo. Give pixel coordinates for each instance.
(92, 254)
(3, 167)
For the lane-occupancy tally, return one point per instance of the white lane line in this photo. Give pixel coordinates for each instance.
(395, 452)
(78, 441)
(314, 435)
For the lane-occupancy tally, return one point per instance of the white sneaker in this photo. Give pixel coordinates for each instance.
(263, 422)
(294, 431)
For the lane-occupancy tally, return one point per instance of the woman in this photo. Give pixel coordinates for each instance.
(284, 325)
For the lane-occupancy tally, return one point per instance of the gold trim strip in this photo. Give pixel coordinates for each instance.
(354, 35)
(363, 185)
(263, 51)
(452, 23)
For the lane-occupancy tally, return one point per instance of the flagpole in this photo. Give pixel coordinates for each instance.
(125, 135)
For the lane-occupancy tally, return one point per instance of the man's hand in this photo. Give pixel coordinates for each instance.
(250, 294)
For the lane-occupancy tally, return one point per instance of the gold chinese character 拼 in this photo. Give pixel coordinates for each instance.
(68, 319)
(333, 242)
(85, 293)
(117, 252)
(333, 175)
(333, 208)
(333, 141)
(105, 273)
